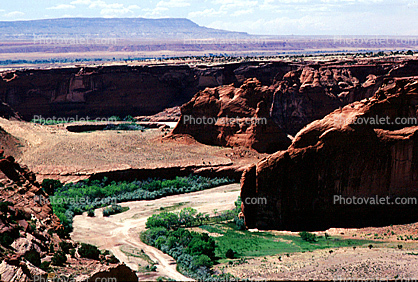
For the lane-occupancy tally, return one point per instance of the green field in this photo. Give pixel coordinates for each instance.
(256, 244)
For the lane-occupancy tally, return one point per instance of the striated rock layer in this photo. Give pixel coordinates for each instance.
(229, 116)
(361, 150)
(120, 90)
(292, 101)
(29, 229)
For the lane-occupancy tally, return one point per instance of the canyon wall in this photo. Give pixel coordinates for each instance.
(294, 99)
(120, 90)
(360, 150)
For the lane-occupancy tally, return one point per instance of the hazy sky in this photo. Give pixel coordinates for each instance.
(276, 17)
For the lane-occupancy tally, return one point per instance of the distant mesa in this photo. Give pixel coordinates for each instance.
(119, 28)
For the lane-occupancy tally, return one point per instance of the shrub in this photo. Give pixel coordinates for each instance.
(90, 213)
(59, 258)
(240, 223)
(65, 246)
(113, 209)
(308, 237)
(33, 257)
(167, 220)
(7, 238)
(202, 260)
(230, 254)
(89, 251)
(45, 266)
(129, 118)
(51, 185)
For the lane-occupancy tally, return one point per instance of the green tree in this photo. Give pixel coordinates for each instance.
(89, 251)
(168, 220)
(51, 185)
(187, 216)
(59, 258)
(308, 237)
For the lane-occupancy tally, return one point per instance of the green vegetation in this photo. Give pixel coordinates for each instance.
(125, 126)
(308, 237)
(75, 198)
(89, 251)
(59, 258)
(50, 186)
(187, 217)
(66, 246)
(194, 252)
(114, 209)
(33, 257)
(256, 244)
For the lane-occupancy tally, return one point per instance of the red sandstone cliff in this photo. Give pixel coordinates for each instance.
(341, 155)
(28, 228)
(229, 116)
(120, 90)
(295, 99)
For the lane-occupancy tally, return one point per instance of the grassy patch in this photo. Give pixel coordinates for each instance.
(134, 252)
(173, 207)
(255, 244)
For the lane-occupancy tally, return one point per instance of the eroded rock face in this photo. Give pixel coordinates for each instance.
(120, 273)
(28, 227)
(312, 92)
(120, 90)
(292, 101)
(229, 116)
(342, 155)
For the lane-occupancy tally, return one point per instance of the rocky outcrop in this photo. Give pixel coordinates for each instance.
(7, 112)
(28, 229)
(312, 92)
(120, 273)
(229, 116)
(168, 115)
(367, 149)
(27, 226)
(293, 100)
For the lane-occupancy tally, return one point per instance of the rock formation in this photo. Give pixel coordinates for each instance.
(367, 149)
(28, 228)
(293, 100)
(120, 90)
(312, 92)
(229, 116)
